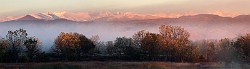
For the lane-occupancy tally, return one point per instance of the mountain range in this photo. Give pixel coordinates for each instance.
(86, 16)
(126, 17)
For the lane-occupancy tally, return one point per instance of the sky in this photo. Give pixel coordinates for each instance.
(227, 7)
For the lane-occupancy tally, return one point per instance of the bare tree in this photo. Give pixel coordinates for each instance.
(16, 41)
(32, 48)
(95, 39)
(242, 46)
(3, 46)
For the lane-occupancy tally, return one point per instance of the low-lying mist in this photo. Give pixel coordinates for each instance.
(47, 32)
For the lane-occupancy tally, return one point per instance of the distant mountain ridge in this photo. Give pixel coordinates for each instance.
(40, 19)
(27, 17)
(40, 16)
(109, 17)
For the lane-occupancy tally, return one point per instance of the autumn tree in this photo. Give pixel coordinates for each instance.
(150, 46)
(67, 45)
(194, 52)
(146, 44)
(138, 37)
(172, 43)
(176, 41)
(72, 45)
(174, 35)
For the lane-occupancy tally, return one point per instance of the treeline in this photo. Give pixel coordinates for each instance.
(170, 44)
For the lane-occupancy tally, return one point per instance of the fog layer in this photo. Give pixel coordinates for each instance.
(108, 31)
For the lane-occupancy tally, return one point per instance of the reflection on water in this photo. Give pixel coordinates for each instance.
(123, 65)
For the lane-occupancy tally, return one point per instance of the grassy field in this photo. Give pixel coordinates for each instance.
(121, 65)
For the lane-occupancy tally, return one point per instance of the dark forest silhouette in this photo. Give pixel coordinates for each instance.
(172, 44)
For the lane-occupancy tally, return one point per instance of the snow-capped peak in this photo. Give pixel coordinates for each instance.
(28, 17)
(45, 16)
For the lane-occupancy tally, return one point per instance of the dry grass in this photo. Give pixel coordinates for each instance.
(120, 65)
